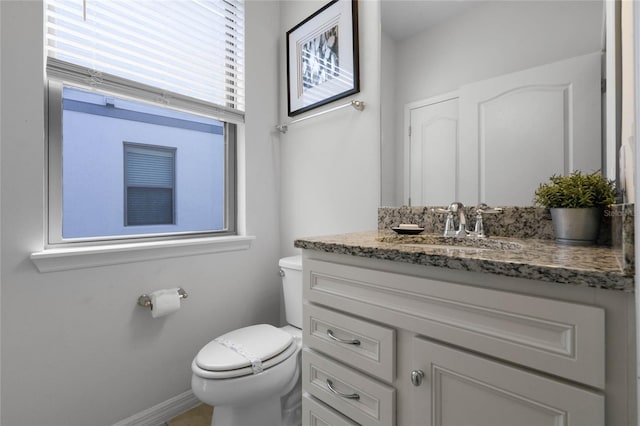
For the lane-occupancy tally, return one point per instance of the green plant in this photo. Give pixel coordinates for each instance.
(576, 190)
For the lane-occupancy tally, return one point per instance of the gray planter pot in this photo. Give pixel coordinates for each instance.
(577, 227)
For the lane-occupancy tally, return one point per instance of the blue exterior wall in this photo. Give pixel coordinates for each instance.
(93, 174)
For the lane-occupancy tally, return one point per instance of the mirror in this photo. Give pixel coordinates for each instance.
(433, 51)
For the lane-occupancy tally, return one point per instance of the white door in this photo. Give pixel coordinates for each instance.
(433, 153)
(519, 129)
(462, 389)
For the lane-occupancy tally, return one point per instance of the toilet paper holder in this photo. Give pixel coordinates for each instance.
(145, 300)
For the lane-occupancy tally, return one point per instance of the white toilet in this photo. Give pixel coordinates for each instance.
(252, 375)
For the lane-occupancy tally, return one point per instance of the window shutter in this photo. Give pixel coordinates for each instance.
(151, 168)
(149, 206)
(150, 177)
(185, 48)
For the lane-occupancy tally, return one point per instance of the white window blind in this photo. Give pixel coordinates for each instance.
(178, 50)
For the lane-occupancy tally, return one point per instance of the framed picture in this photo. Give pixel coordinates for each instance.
(322, 57)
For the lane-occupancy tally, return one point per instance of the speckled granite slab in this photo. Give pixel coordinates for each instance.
(623, 235)
(535, 259)
(616, 227)
(513, 222)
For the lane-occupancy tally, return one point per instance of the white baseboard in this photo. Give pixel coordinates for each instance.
(163, 412)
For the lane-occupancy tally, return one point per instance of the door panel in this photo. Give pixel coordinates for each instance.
(460, 388)
(434, 153)
(518, 129)
(522, 136)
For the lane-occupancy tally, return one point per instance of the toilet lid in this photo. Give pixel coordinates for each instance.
(237, 349)
(293, 349)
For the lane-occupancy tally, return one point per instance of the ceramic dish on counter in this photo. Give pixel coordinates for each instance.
(407, 229)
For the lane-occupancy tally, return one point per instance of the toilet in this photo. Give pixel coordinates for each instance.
(251, 376)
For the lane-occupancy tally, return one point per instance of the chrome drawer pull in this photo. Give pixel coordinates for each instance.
(344, 395)
(346, 342)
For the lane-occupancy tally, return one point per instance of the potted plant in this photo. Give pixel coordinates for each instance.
(576, 202)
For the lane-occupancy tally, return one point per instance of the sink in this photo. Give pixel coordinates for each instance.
(438, 241)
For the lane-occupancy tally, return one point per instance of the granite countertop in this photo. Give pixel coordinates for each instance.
(536, 259)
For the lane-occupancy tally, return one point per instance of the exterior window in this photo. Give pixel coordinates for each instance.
(144, 101)
(150, 182)
(132, 169)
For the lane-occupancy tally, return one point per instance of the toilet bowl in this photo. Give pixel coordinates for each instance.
(251, 376)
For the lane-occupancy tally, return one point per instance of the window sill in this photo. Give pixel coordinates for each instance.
(63, 259)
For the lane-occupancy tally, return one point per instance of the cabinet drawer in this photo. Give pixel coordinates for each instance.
(361, 344)
(316, 413)
(561, 338)
(355, 395)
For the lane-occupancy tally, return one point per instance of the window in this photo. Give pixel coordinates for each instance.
(143, 103)
(149, 185)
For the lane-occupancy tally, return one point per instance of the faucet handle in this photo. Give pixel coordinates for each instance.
(440, 210)
(478, 231)
(483, 208)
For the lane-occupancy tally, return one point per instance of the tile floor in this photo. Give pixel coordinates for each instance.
(200, 415)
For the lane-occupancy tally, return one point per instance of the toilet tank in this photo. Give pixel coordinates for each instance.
(291, 272)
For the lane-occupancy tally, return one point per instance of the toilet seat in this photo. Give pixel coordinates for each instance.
(232, 354)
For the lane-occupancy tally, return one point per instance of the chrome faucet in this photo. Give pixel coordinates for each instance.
(453, 209)
(458, 207)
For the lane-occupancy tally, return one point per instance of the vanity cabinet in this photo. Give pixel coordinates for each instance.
(387, 347)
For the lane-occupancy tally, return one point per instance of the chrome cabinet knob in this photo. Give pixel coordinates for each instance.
(417, 376)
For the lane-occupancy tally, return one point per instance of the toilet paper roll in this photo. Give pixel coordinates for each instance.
(164, 302)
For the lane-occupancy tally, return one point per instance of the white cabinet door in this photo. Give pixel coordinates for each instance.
(518, 129)
(464, 389)
(433, 153)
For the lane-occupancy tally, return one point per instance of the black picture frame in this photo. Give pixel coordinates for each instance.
(323, 57)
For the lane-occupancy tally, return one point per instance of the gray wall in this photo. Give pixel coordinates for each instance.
(76, 350)
(330, 180)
